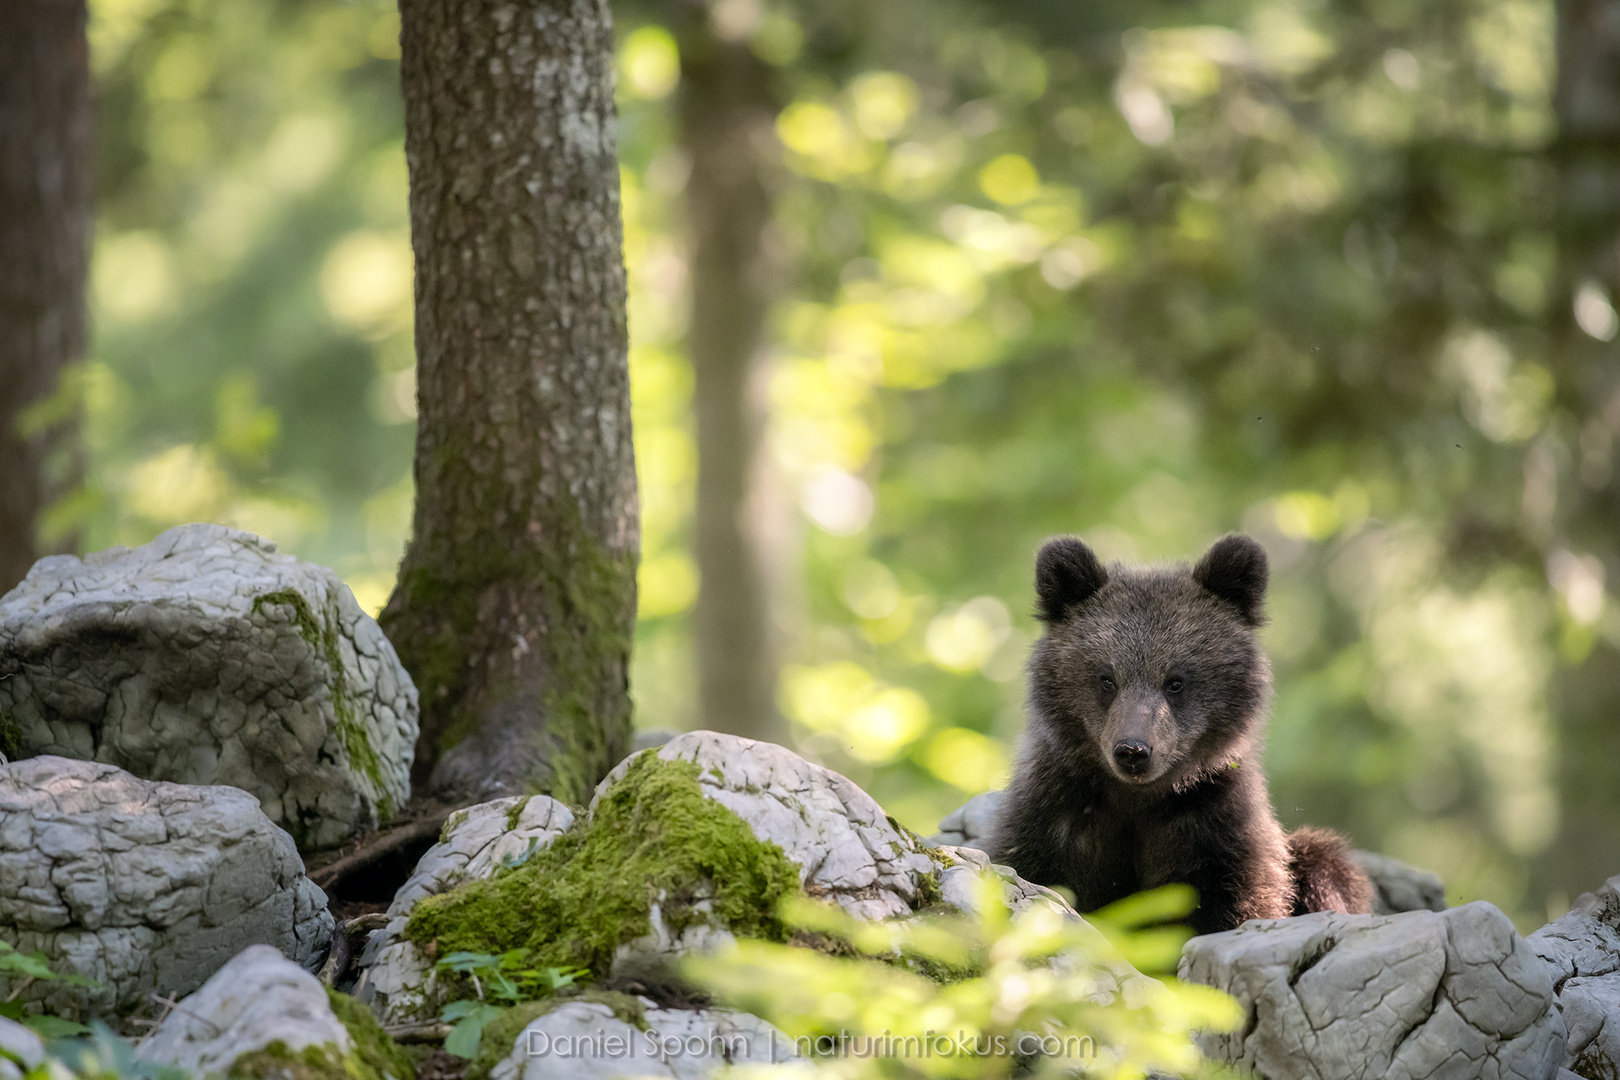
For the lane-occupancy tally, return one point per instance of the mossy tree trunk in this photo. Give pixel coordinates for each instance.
(45, 195)
(516, 603)
(727, 115)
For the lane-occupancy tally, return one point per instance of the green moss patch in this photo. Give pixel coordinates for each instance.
(276, 1062)
(502, 1032)
(373, 1055)
(654, 835)
(323, 639)
(376, 1055)
(10, 737)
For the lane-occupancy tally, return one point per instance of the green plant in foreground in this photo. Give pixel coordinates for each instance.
(97, 1054)
(1041, 994)
(27, 969)
(499, 983)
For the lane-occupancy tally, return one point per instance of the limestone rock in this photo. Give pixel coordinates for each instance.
(585, 1041)
(143, 886)
(848, 850)
(395, 979)
(957, 882)
(970, 824)
(1582, 951)
(258, 998)
(1400, 887)
(1454, 994)
(481, 839)
(205, 657)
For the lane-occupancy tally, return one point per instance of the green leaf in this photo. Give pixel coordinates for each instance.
(1165, 904)
(470, 962)
(561, 977)
(463, 1039)
(458, 1010)
(34, 966)
(55, 1027)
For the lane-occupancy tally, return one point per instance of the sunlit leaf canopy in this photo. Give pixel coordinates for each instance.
(1145, 275)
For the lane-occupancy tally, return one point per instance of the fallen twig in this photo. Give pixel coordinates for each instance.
(432, 1031)
(384, 843)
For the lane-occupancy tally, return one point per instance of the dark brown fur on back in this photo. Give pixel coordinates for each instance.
(1140, 764)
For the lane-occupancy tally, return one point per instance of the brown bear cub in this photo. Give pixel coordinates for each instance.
(1140, 766)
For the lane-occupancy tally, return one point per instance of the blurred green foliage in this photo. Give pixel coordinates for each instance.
(976, 997)
(1145, 274)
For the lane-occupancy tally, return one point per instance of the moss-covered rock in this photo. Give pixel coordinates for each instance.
(653, 841)
(262, 1017)
(207, 657)
(683, 847)
(372, 1055)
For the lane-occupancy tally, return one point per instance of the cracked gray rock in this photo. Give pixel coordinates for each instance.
(142, 885)
(396, 980)
(1396, 885)
(258, 998)
(1453, 995)
(1582, 951)
(970, 824)
(205, 657)
(585, 1041)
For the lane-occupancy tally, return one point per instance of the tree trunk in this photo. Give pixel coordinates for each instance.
(726, 117)
(45, 192)
(516, 600)
(1587, 104)
(1583, 504)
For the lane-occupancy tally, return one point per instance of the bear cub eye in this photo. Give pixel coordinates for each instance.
(1173, 685)
(1106, 682)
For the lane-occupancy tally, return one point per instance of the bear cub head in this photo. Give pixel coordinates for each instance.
(1155, 674)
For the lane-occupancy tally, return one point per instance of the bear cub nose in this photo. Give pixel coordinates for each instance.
(1132, 756)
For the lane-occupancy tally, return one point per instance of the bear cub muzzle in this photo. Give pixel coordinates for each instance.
(1140, 764)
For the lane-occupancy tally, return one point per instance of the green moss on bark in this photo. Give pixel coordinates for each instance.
(654, 839)
(582, 592)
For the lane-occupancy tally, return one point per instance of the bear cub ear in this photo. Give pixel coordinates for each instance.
(1067, 573)
(1234, 569)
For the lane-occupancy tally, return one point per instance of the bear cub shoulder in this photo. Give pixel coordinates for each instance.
(1140, 764)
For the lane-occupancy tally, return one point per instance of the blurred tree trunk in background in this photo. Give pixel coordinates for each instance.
(727, 113)
(1576, 517)
(516, 597)
(45, 194)
(1587, 104)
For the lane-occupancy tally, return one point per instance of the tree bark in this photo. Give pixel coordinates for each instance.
(516, 600)
(726, 115)
(1586, 102)
(1583, 494)
(45, 196)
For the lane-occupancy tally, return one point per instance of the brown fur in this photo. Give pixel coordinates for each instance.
(1325, 877)
(1140, 765)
